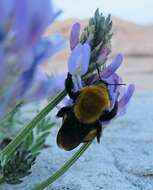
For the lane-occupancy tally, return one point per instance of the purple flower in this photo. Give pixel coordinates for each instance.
(79, 59)
(23, 50)
(36, 16)
(124, 99)
(74, 36)
(78, 63)
(44, 86)
(117, 91)
(112, 67)
(103, 54)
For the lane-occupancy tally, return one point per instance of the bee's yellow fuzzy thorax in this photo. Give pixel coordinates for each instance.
(91, 103)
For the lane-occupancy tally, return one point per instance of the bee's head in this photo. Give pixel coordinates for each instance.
(91, 103)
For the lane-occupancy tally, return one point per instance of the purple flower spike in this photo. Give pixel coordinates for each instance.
(22, 49)
(74, 36)
(113, 66)
(79, 59)
(44, 86)
(32, 18)
(48, 46)
(122, 103)
(5, 10)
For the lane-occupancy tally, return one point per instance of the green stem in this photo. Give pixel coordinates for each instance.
(10, 148)
(64, 168)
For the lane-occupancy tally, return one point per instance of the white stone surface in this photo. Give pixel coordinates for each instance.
(122, 161)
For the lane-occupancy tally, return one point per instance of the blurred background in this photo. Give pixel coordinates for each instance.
(133, 35)
(138, 11)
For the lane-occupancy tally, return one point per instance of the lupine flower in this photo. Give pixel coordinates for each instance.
(117, 91)
(74, 36)
(104, 52)
(92, 105)
(96, 92)
(78, 62)
(44, 86)
(23, 50)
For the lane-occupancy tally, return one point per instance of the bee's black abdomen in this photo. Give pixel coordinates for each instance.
(70, 134)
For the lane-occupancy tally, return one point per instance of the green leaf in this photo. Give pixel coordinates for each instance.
(35, 150)
(28, 141)
(17, 167)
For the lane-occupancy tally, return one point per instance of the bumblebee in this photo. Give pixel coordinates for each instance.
(82, 120)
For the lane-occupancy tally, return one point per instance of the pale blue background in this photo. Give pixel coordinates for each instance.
(138, 11)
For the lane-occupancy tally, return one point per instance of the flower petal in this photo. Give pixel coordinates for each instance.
(74, 36)
(125, 99)
(73, 59)
(31, 19)
(23, 82)
(5, 11)
(44, 86)
(103, 54)
(86, 58)
(113, 66)
(79, 59)
(47, 47)
(114, 88)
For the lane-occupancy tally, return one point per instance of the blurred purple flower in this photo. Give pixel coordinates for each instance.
(44, 85)
(23, 50)
(36, 16)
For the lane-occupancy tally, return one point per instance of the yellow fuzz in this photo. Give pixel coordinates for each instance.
(91, 103)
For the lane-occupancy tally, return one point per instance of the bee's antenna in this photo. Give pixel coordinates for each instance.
(120, 84)
(98, 70)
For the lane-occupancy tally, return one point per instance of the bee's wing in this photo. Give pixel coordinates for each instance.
(69, 136)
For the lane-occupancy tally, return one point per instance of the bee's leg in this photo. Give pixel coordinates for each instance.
(99, 132)
(63, 111)
(69, 86)
(108, 115)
